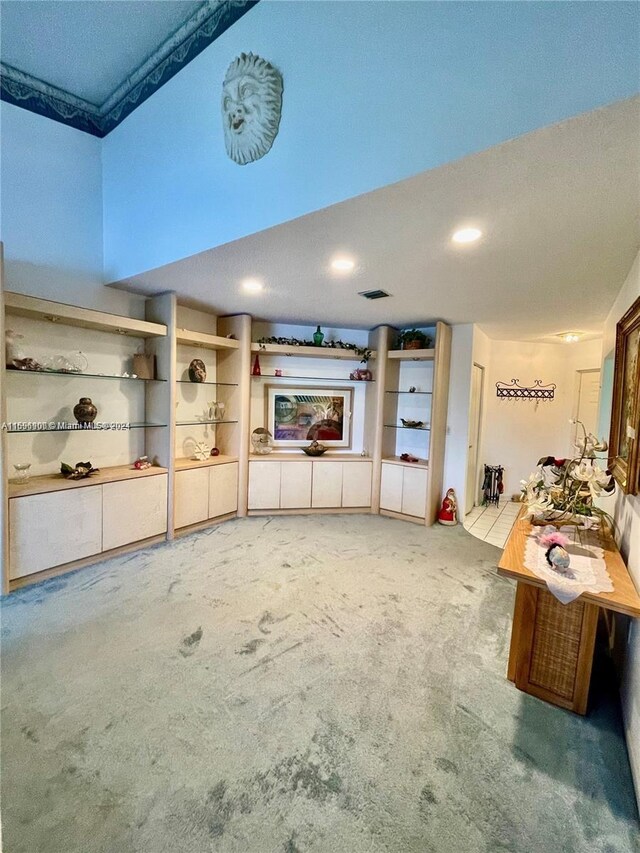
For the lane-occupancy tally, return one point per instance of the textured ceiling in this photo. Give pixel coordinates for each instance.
(87, 47)
(561, 220)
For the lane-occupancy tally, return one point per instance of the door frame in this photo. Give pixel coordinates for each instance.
(478, 437)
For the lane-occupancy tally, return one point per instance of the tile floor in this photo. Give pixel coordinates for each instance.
(493, 523)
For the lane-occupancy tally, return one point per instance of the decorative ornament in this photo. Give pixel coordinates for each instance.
(197, 370)
(256, 367)
(314, 449)
(80, 472)
(215, 451)
(449, 511)
(251, 107)
(514, 391)
(556, 553)
(84, 411)
(261, 441)
(318, 337)
(142, 463)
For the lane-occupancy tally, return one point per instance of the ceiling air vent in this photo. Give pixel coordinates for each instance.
(373, 294)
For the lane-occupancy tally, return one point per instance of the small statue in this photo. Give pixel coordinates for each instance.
(449, 511)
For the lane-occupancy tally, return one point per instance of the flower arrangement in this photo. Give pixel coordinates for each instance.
(561, 491)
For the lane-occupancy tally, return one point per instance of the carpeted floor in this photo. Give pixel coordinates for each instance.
(327, 684)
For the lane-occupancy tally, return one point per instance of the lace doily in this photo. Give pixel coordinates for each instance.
(586, 573)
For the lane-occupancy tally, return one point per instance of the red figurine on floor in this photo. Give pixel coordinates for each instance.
(449, 511)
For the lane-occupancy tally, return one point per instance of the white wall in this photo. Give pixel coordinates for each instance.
(626, 511)
(516, 433)
(457, 443)
(51, 213)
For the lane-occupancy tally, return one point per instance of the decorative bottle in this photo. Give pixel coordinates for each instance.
(256, 367)
(318, 337)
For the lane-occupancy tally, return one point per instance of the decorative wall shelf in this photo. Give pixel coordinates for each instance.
(202, 423)
(67, 373)
(189, 382)
(412, 354)
(312, 378)
(413, 429)
(307, 352)
(84, 318)
(200, 339)
(396, 460)
(186, 463)
(514, 391)
(412, 393)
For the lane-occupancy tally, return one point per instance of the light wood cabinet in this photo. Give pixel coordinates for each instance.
(403, 489)
(51, 529)
(327, 484)
(356, 483)
(264, 485)
(295, 484)
(133, 510)
(191, 496)
(223, 489)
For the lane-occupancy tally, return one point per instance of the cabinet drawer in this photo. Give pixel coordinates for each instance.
(192, 496)
(223, 489)
(52, 529)
(356, 483)
(133, 510)
(264, 485)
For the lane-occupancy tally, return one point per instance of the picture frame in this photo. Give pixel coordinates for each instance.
(624, 435)
(297, 415)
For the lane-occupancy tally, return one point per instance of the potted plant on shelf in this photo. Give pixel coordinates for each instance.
(413, 339)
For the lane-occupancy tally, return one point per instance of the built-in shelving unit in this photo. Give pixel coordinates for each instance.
(170, 422)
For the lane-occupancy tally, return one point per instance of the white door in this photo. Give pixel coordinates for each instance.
(223, 489)
(192, 496)
(475, 408)
(327, 484)
(391, 487)
(295, 485)
(585, 405)
(414, 491)
(356, 483)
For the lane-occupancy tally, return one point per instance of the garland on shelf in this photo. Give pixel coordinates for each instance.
(363, 353)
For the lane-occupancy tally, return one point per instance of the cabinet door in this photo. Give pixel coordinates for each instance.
(295, 485)
(52, 529)
(391, 487)
(192, 496)
(356, 483)
(133, 510)
(264, 485)
(414, 491)
(223, 489)
(327, 484)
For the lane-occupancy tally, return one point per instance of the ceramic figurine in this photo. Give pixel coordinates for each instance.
(449, 511)
(557, 555)
(197, 370)
(84, 411)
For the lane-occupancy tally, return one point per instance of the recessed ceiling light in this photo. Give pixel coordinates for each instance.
(342, 264)
(466, 235)
(252, 285)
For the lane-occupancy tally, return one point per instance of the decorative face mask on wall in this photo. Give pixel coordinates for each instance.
(251, 106)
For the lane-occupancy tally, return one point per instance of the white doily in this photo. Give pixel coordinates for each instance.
(586, 573)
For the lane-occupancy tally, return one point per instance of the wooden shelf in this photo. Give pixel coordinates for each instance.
(184, 464)
(301, 456)
(412, 354)
(307, 352)
(313, 378)
(200, 339)
(84, 318)
(57, 483)
(395, 460)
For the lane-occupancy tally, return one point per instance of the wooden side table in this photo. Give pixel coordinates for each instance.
(552, 644)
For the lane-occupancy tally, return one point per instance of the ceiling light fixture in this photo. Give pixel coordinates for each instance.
(570, 337)
(252, 285)
(466, 235)
(342, 264)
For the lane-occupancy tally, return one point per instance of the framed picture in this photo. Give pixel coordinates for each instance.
(297, 416)
(624, 437)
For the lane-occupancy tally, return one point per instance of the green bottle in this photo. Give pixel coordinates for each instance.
(318, 337)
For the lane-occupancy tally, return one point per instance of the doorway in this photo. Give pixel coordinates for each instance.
(473, 451)
(585, 403)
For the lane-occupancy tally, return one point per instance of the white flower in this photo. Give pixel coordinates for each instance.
(538, 505)
(592, 476)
